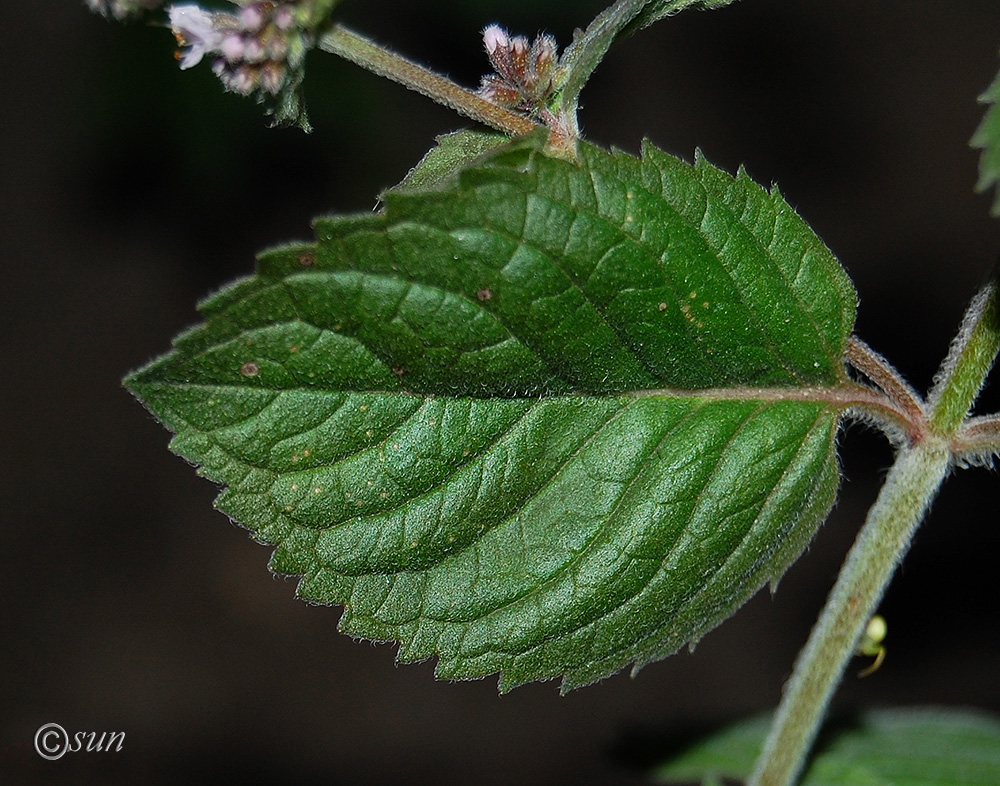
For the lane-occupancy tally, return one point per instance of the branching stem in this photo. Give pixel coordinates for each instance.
(909, 488)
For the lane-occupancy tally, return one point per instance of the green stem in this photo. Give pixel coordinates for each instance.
(340, 41)
(908, 491)
(909, 488)
(964, 370)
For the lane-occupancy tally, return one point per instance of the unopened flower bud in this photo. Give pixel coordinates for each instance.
(251, 18)
(524, 71)
(232, 47)
(494, 37)
(272, 77)
(121, 9)
(284, 18)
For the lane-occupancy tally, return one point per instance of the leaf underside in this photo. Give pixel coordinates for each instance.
(532, 421)
(906, 747)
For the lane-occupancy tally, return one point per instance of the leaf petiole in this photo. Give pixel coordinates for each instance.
(877, 369)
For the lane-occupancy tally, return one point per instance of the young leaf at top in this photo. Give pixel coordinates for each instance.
(543, 419)
(987, 137)
(906, 747)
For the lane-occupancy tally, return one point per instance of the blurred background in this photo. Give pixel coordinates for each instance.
(129, 190)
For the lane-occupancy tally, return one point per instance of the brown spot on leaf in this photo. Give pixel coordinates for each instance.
(484, 294)
(307, 259)
(249, 369)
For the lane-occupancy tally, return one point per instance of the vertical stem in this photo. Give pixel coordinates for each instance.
(909, 488)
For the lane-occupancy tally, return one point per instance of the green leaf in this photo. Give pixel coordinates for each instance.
(907, 747)
(987, 138)
(546, 419)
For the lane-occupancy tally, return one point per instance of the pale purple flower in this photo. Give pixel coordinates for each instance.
(193, 27)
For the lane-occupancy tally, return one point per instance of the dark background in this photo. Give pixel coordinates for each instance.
(129, 190)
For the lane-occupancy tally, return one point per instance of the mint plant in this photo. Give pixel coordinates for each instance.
(555, 411)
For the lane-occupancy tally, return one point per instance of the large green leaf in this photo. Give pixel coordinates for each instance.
(906, 747)
(546, 419)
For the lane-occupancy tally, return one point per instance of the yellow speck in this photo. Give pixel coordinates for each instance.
(295, 487)
(413, 544)
(662, 306)
(306, 452)
(295, 458)
(705, 304)
(363, 408)
(288, 508)
(368, 433)
(384, 495)
(317, 490)
(693, 294)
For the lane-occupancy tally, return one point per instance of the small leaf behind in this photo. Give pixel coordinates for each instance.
(543, 419)
(906, 747)
(987, 137)
(453, 152)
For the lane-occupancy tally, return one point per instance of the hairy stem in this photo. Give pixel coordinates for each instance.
(978, 440)
(909, 488)
(340, 41)
(969, 361)
(878, 370)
